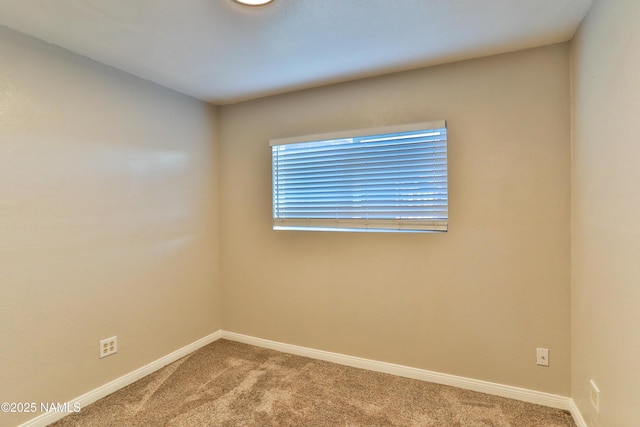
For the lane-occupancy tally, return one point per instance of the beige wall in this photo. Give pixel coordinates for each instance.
(606, 213)
(475, 301)
(108, 222)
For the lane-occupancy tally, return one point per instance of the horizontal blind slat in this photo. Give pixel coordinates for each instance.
(329, 155)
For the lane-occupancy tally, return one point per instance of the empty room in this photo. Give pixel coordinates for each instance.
(320, 213)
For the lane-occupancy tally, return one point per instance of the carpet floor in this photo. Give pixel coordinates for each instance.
(232, 384)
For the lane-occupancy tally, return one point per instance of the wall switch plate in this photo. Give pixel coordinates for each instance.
(542, 356)
(594, 395)
(108, 346)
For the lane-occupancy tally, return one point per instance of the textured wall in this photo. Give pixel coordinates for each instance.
(108, 222)
(475, 301)
(606, 209)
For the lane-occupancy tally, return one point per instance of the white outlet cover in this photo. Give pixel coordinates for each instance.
(542, 356)
(108, 346)
(594, 395)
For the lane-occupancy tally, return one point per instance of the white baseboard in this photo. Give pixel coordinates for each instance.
(115, 385)
(525, 395)
(577, 416)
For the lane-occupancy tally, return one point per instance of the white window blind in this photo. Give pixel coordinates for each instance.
(385, 179)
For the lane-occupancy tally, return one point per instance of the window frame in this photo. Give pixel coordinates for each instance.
(365, 225)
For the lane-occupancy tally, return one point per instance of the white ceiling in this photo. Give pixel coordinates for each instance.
(221, 52)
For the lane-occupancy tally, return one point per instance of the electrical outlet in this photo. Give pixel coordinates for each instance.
(108, 347)
(594, 395)
(542, 356)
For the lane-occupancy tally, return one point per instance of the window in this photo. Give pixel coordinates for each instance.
(384, 179)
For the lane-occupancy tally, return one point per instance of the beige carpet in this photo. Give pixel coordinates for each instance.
(232, 384)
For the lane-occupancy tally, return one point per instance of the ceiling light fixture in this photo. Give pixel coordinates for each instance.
(254, 2)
